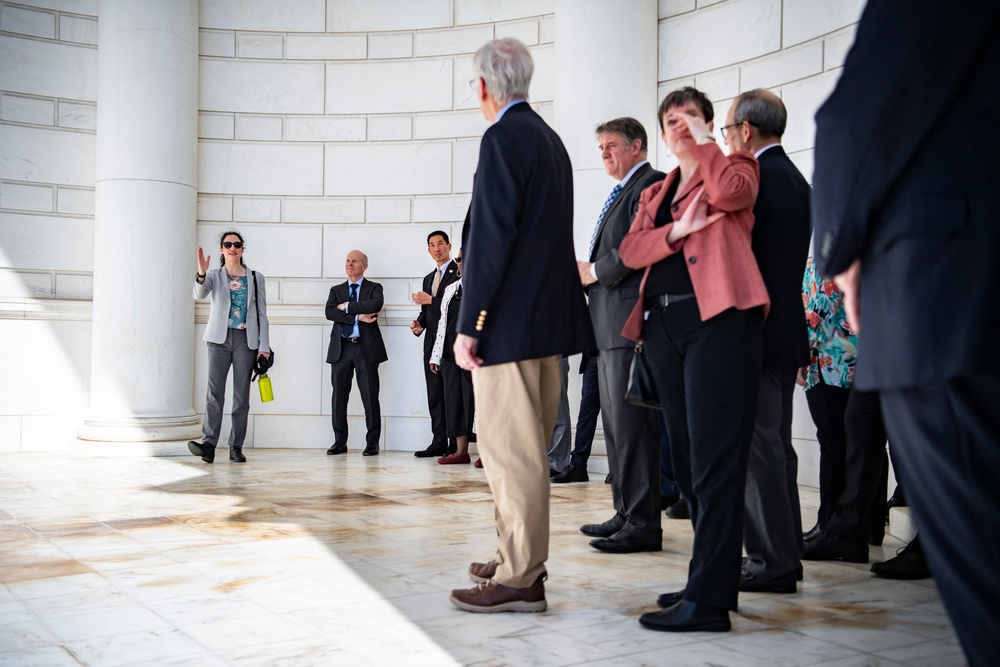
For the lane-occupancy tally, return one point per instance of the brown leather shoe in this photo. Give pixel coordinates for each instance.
(491, 597)
(482, 572)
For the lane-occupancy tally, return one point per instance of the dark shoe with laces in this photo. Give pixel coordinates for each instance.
(750, 583)
(623, 543)
(204, 450)
(606, 529)
(572, 474)
(236, 455)
(337, 449)
(687, 617)
(432, 451)
(909, 563)
(679, 510)
(370, 450)
(665, 600)
(830, 546)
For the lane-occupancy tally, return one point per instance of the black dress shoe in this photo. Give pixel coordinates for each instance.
(909, 563)
(606, 529)
(236, 454)
(370, 450)
(679, 510)
(623, 543)
(607, 478)
(830, 546)
(670, 599)
(799, 572)
(812, 533)
(337, 449)
(204, 450)
(783, 584)
(432, 451)
(687, 617)
(572, 474)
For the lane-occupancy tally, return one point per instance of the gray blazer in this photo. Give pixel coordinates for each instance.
(614, 294)
(216, 289)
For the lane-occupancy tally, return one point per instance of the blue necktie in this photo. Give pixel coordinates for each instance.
(347, 329)
(597, 227)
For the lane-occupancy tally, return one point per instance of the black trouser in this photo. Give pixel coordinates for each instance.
(706, 374)
(435, 403)
(828, 405)
(946, 438)
(586, 421)
(352, 362)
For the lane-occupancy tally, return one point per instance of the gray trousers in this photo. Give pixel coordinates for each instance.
(772, 524)
(632, 437)
(234, 352)
(562, 435)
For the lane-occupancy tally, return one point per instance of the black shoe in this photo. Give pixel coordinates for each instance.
(432, 451)
(623, 543)
(370, 450)
(799, 572)
(553, 473)
(670, 599)
(812, 534)
(203, 449)
(337, 449)
(236, 454)
(909, 563)
(607, 479)
(687, 617)
(606, 529)
(679, 510)
(830, 546)
(897, 499)
(667, 501)
(572, 474)
(783, 584)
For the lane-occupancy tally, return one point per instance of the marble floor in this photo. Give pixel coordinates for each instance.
(297, 558)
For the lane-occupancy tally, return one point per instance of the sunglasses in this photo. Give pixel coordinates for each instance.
(232, 244)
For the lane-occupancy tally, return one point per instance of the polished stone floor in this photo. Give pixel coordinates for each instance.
(297, 558)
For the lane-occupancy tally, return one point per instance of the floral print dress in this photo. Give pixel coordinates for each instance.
(833, 347)
(237, 302)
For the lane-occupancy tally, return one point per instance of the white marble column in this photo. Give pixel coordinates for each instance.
(606, 67)
(145, 219)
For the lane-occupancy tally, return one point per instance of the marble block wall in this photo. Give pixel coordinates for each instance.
(324, 125)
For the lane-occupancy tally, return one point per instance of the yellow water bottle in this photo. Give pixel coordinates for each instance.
(264, 384)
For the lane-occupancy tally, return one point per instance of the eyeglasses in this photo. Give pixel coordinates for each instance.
(458, 259)
(232, 244)
(724, 128)
(473, 83)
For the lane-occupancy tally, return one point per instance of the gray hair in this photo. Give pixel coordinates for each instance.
(762, 109)
(506, 67)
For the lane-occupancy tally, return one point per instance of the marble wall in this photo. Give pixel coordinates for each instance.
(324, 125)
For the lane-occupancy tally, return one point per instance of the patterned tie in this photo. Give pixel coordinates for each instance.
(347, 329)
(597, 227)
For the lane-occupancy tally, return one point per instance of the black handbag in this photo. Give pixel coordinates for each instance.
(641, 388)
(262, 363)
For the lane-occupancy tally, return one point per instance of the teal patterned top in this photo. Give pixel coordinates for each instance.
(833, 348)
(237, 302)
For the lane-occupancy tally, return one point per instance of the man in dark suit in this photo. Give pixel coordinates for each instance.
(906, 211)
(429, 300)
(772, 527)
(631, 433)
(522, 309)
(356, 348)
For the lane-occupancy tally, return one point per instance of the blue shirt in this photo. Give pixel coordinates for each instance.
(505, 107)
(353, 332)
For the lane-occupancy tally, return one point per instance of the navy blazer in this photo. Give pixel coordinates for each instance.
(430, 314)
(906, 180)
(780, 242)
(370, 300)
(522, 297)
(614, 295)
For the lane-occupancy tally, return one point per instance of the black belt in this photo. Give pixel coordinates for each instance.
(664, 300)
(351, 340)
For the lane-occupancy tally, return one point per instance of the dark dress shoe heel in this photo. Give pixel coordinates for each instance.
(679, 510)
(370, 450)
(572, 474)
(204, 450)
(236, 455)
(665, 600)
(432, 451)
(336, 449)
(687, 616)
(784, 584)
(909, 563)
(623, 543)
(812, 533)
(830, 546)
(606, 529)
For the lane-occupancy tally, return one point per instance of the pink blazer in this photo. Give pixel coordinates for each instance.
(720, 260)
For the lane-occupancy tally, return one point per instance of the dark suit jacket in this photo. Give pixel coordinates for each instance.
(522, 297)
(780, 242)
(370, 300)
(430, 314)
(906, 180)
(614, 295)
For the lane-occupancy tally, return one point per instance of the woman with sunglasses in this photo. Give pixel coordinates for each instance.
(237, 332)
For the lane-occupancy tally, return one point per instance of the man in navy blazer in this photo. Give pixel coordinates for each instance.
(772, 525)
(356, 348)
(522, 309)
(907, 216)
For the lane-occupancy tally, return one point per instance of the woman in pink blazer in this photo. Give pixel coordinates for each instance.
(700, 312)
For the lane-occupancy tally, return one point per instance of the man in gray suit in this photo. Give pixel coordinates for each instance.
(630, 432)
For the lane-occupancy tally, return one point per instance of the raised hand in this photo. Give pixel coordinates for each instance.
(203, 261)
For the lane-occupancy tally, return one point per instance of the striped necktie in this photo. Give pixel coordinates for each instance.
(597, 227)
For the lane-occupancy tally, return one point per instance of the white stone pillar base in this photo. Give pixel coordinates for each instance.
(141, 429)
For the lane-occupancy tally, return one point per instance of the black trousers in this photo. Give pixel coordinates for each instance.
(946, 439)
(352, 362)
(828, 405)
(435, 403)
(706, 374)
(586, 421)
